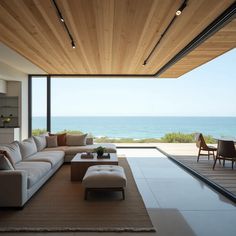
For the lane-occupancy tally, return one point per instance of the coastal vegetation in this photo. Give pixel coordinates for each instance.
(167, 138)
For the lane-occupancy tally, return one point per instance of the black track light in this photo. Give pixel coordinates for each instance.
(179, 11)
(64, 23)
(72, 44)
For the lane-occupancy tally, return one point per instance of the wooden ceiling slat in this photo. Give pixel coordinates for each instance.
(207, 51)
(111, 36)
(196, 17)
(15, 39)
(150, 34)
(60, 53)
(51, 42)
(80, 52)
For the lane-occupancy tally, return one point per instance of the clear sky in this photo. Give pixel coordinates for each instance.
(209, 90)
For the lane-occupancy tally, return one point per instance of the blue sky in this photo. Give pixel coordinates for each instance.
(209, 90)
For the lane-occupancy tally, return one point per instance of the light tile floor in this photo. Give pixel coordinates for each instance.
(178, 203)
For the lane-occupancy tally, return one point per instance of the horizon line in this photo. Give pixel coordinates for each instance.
(232, 116)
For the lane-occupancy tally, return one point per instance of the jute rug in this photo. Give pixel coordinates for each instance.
(59, 206)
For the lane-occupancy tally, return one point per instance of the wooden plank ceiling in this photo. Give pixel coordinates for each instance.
(222, 41)
(111, 36)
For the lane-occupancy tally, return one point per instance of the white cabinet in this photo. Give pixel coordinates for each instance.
(8, 135)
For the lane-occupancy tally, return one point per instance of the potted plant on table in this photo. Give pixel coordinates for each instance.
(100, 151)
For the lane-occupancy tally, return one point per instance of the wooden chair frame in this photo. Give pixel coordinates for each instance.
(201, 144)
(225, 151)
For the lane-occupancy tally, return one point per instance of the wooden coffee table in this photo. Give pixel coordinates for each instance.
(80, 165)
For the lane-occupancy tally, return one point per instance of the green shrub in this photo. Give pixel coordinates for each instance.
(168, 138)
(209, 139)
(36, 132)
(70, 132)
(184, 138)
(178, 138)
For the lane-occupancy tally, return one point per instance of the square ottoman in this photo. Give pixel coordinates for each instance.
(104, 178)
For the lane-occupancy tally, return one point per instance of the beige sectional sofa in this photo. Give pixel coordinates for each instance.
(25, 166)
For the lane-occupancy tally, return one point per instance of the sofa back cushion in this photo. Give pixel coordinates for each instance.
(89, 141)
(12, 152)
(61, 139)
(51, 141)
(76, 140)
(27, 147)
(40, 141)
(5, 164)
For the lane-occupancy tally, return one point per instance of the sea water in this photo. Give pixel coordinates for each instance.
(139, 127)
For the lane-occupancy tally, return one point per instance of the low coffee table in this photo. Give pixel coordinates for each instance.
(80, 165)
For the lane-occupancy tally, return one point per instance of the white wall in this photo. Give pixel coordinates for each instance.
(3, 86)
(14, 88)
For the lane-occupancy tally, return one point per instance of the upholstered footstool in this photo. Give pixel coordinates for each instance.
(104, 178)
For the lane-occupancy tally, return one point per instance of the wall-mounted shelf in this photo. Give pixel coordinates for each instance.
(9, 105)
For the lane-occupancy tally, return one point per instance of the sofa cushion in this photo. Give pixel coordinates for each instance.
(104, 176)
(40, 142)
(5, 164)
(58, 148)
(35, 170)
(89, 140)
(72, 150)
(13, 152)
(51, 141)
(53, 157)
(76, 140)
(27, 147)
(61, 139)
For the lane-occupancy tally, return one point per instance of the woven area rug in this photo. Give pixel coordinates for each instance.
(59, 206)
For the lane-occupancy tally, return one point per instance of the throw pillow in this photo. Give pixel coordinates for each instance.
(27, 147)
(5, 164)
(61, 139)
(89, 141)
(76, 140)
(40, 141)
(51, 141)
(12, 152)
(4, 153)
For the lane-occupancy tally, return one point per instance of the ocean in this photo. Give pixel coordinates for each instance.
(140, 127)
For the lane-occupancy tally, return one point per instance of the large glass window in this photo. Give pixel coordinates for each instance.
(39, 105)
(140, 110)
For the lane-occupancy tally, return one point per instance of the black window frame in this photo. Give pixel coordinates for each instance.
(48, 99)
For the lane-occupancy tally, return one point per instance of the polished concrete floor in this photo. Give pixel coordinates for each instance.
(178, 203)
